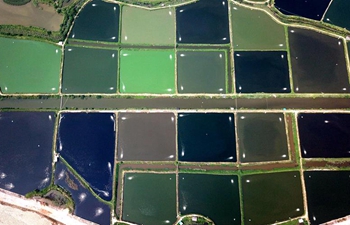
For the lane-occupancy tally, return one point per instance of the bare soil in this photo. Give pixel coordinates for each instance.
(43, 16)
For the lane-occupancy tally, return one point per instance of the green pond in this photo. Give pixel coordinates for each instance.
(212, 196)
(155, 27)
(89, 70)
(29, 66)
(262, 137)
(271, 197)
(147, 71)
(149, 198)
(255, 30)
(201, 71)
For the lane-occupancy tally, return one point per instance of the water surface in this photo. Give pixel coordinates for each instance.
(86, 205)
(328, 195)
(26, 150)
(262, 137)
(219, 202)
(312, 9)
(272, 197)
(87, 142)
(146, 137)
(261, 71)
(149, 198)
(206, 137)
(89, 70)
(255, 30)
(318, 62)
(151, 27)
(338, 14)
(97, 21)
(203, 22)
(29, 67)
(201, 71)
(324, 135)
(147, 71)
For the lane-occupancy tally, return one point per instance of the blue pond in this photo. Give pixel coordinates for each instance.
(26, 150)
(87, 142)
(203, 22)
(86, 205)
(206, 137)
(324, 135)
(312, 9)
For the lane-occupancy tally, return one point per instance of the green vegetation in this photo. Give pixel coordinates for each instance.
(53, 195)
(16, 2)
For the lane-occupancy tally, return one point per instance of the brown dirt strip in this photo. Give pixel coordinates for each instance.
(324, 164)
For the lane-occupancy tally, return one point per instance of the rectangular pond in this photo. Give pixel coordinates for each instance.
(26, 150)
(150, 27)
(270, 73)
(201, 71)
(147, 71)
(272, 197)
(146, 137)
(90, 24)
(262, 137)
(86, 205)
(29, 67)
(213, 196)
(89, 70)
(255, 30)
(328, 195)
(87, 142)
(324, 135)
(203, 22)
(206, 137)
(149, 198)
(318, 62)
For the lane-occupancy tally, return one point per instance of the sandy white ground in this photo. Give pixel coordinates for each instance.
(16, 209)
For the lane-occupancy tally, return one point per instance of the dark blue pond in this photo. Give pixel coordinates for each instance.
(97, 21)
(203, 22)
(258, 71)
(206, 137)
(26, 150)
(213, 196)
(87, 142)
(328, 195)
(324, 135)
(312, 9)
(86, 205)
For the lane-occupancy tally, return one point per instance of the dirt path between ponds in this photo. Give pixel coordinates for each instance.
(43, 16)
